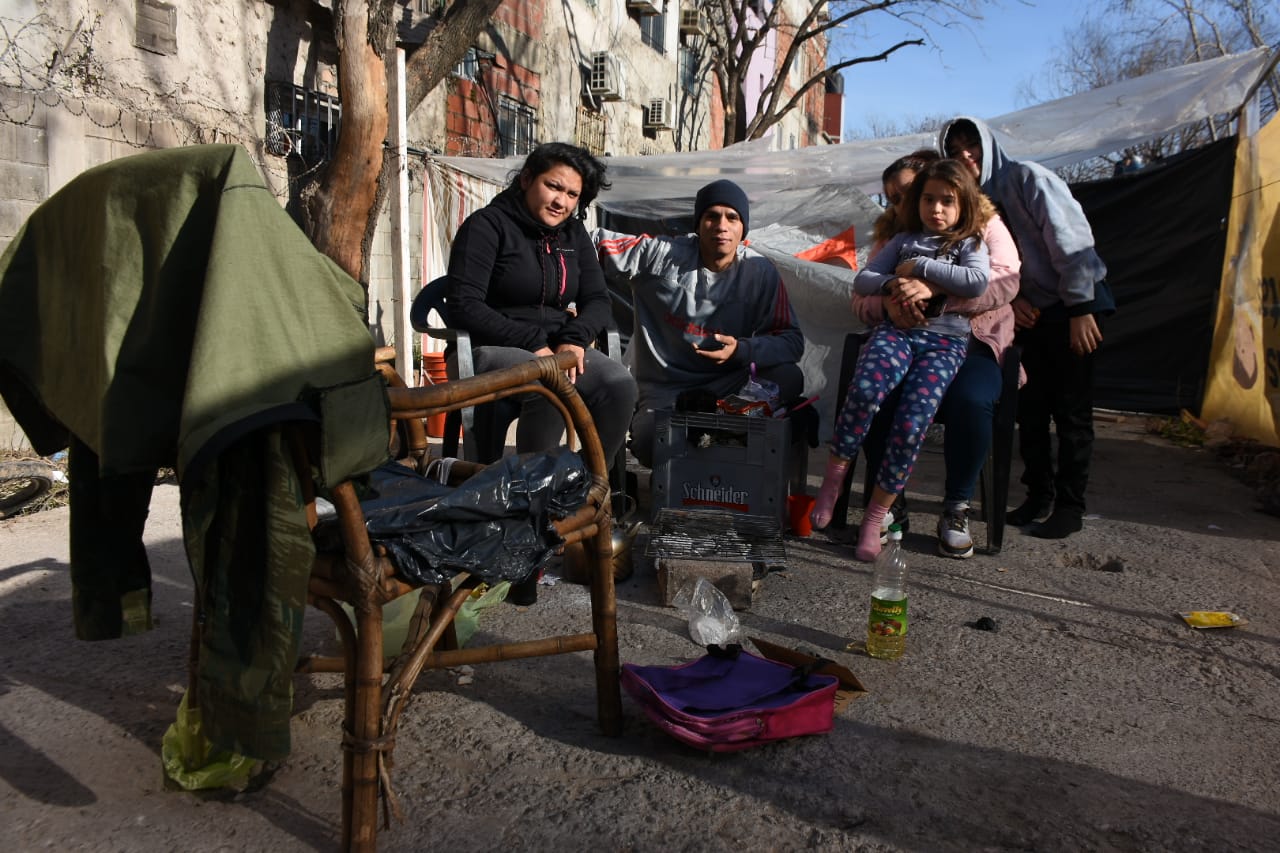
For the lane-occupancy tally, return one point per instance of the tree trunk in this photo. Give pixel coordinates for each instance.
(445, 46)
(344, 201)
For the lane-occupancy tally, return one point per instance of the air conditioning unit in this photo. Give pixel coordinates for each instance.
(692, 22)
(605, 81)
(646, 7)
(659, 115)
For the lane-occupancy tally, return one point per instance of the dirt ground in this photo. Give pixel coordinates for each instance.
(1093, 719)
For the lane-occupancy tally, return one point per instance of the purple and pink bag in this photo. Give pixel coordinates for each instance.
(725, 702)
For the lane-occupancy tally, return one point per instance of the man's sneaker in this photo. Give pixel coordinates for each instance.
(897, 514)
(953, 532)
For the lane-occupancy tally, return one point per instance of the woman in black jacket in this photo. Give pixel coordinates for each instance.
(525, 281)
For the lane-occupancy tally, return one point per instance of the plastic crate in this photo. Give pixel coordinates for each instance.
(727, 462)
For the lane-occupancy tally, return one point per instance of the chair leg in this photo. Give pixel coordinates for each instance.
(452, 424)
(604, 623)
(990, 514)
(1001, 462)
(361, 735)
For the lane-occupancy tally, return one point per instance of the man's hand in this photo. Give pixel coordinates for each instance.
(1025, 314)
(580, 354)
(906, 316)
(719, 356)
(1085, 334)
(906, 269)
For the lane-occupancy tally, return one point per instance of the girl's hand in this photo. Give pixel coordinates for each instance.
(910, 290)
(1025, 314)
(1085, 334)
(580, 354)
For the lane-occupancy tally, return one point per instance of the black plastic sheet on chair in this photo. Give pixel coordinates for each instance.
(496, 525)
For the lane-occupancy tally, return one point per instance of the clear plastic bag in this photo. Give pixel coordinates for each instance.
(712, 621)
(758, 397)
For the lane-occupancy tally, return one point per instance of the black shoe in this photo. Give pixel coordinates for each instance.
(1060, 525)
(525, 592)
(1030, 510)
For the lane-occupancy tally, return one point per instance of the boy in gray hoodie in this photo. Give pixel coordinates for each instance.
(1062, 298)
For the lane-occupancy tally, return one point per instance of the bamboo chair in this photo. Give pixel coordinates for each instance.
(361, 575)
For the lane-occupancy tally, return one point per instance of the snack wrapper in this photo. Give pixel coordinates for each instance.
(1212, 619)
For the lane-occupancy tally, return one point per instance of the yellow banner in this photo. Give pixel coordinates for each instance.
(1244, 366)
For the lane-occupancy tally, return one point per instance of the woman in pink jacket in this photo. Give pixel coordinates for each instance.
(970, 401)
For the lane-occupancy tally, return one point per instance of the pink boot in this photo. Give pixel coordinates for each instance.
(832, 481)
(868, 547)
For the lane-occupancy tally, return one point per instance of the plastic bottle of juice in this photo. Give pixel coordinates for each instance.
(887, 624)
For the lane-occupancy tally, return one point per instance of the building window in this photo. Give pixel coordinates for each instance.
(653, 29)
(590, 132)
(156, 27)
(517, 127)
(690, 76)
(302, 123)
(469, 66)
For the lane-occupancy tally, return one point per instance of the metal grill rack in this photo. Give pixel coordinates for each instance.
(715, 535)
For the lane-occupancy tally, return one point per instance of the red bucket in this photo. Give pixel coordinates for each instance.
(434, 372)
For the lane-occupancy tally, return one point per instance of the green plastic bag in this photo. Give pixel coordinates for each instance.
(469, 613)
(189, 761)
(396, 616)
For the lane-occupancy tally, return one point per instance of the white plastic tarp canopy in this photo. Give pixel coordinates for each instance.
(1056, 133)
(801, 197)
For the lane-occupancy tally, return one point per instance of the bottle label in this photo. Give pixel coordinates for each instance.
(888, 617)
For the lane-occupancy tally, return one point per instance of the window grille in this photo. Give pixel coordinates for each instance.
(517, 127)
(590, 131)
(690, 73)
(302, 123)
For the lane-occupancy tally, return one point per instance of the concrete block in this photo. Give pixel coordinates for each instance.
(733, 579)
(22, 182)
(12, 215)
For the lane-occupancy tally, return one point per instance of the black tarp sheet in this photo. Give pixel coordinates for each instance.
(1162, 233)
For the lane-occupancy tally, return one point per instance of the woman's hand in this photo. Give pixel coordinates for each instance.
(1025, 314)
(904, 316)
(906, 269)
(580, 354)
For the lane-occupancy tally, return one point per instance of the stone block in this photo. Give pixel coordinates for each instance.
(732, 579)
(22, 181)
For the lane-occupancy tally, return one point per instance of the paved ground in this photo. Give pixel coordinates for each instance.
(1092, 720)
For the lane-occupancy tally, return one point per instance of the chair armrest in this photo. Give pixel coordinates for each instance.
(549, 371)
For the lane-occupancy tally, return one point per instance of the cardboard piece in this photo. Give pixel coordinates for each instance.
(850, 687)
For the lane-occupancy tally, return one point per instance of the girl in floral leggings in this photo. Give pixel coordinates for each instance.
(939, 255)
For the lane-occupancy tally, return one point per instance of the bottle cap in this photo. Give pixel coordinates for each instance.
(895, 531)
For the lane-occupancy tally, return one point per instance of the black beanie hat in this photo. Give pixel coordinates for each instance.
(723, 192)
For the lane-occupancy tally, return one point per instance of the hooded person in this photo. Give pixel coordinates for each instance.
(1063, 297)
(707, 308)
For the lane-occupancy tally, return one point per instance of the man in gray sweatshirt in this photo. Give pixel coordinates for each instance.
(707, 307)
